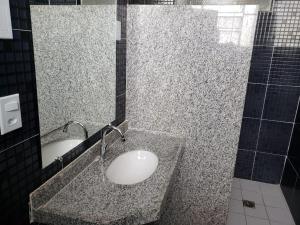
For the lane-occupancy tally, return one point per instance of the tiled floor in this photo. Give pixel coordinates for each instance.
(270, 205)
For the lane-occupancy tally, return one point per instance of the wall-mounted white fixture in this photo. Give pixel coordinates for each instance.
(118, 30)
(10, 113)
(5, 20)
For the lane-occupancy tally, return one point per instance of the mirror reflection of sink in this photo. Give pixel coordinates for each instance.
(132, 167)
(56, 149)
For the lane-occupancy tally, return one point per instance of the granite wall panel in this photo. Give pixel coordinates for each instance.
(182, 76)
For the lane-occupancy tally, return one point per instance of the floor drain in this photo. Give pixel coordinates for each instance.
(249, 204)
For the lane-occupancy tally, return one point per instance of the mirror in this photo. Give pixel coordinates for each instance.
(75, 62)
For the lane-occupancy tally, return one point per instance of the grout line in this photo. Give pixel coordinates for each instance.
(21, 30)
(255, 151)
(294, 122)
(120, 95)
(21, 142)
(255, 118)
(251, 177)
(293, 167)
(276, 85)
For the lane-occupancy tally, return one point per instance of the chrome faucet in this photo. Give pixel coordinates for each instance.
(66, 126)
(103, 142)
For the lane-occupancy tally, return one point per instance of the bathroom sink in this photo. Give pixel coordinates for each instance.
(132, 167)
(55, 149)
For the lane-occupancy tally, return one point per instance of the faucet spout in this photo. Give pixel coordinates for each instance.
(103, 141)
(66, 127)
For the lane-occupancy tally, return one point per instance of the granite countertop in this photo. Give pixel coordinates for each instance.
(90, 198)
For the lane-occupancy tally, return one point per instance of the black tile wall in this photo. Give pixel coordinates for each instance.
(249, 133)
(285, 66)
(268, 168)
(63, 2)
(20, 174)
(20, 14)
(17, 75)
(274, 137)
(244, 164)
(20, 157)
(294, 150)
(273, 90)
(281, 103)
(260, 64)
(288, 182)
(254, 100)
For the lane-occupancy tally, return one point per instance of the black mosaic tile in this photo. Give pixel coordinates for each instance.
(249, 134)
(268, 168)
(39, 2)
(122, 17)
(121, 67)
(285, 69)
(281, 103)
(244, 164)
(121, 108)
(260, 64)
(20, 14)
(63, 2)
(17, 75)
(264, 34)
(254, 100)
(274, 137)
(153, 2)
(20, 175)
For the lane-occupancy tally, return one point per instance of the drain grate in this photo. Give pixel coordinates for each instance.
(249, 204)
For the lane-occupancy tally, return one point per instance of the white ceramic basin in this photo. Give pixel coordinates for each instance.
(132, 167)
(51, 151)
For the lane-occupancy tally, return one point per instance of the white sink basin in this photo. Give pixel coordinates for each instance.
(132, 167)
(51, 151)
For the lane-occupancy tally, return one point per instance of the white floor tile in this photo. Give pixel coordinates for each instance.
(252, 196)
(259, 211)
(236, 206)
(256, 221)
(277, 223)
(236, 183)
(250, 185)
(236, 219)
(270, 188)
(236, 194)
(275, 200)
(280, 215)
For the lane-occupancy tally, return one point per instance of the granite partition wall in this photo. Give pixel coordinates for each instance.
(187, 75)
(75, 60)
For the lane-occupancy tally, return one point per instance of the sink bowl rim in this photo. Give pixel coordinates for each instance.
(119, 157)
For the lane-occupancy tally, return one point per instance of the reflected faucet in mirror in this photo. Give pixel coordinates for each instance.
(103, 141)
(55, 144)
(66, 126)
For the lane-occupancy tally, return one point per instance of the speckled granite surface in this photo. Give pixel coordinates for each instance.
(90, 198)
(75, 55)
(187, 71)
